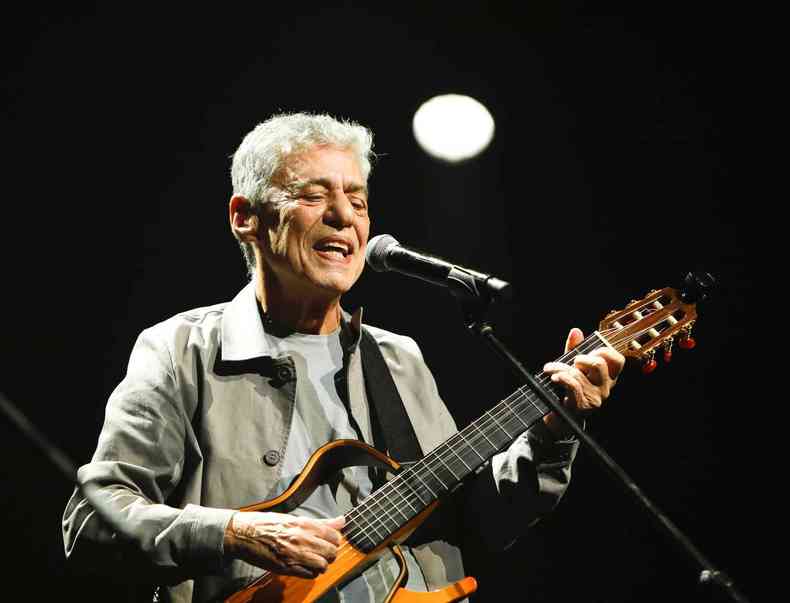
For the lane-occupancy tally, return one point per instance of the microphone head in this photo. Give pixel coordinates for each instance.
(376, 254)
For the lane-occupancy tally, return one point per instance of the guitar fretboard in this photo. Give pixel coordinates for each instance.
(419, 484)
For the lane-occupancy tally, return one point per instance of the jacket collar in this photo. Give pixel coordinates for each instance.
(242, 328)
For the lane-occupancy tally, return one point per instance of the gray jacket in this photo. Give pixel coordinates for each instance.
(200, 423)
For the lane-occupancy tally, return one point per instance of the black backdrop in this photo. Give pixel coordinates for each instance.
(612, 172)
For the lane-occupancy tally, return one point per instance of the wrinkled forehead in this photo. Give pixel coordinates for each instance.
(325, 163)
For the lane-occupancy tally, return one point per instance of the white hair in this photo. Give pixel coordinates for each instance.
(264, 150)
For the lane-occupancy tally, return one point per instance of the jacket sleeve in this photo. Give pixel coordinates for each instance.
(522, 484)
(137, 465)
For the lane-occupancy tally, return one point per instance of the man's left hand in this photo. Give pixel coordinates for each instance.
(588, 382)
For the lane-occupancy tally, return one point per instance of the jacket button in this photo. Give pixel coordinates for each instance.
(271, 458)
(284, 373)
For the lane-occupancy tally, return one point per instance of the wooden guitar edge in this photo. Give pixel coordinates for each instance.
(449, 594)
(353, 451)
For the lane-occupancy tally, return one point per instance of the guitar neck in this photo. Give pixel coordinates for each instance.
(443, 469)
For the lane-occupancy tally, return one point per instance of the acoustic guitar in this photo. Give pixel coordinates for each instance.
(391, 513)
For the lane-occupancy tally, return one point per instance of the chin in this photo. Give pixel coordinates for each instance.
(335, 281)
(336, 286)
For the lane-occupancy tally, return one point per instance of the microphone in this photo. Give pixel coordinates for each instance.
(384, 253)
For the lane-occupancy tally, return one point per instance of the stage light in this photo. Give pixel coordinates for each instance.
(453, 127)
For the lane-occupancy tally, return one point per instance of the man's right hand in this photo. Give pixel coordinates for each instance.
(284, 544)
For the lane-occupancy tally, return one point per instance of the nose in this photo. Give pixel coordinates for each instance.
(339, 211)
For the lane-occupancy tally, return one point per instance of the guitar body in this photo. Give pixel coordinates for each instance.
(330, 458)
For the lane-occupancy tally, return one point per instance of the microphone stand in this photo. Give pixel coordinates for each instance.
(474, 302)
(65, 466)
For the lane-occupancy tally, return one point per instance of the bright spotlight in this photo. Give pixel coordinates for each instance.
(453, 127)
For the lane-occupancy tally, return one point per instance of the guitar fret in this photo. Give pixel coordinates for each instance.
(391, 518)
(358, 543)
(515, 414)
(436, 475)
(396, 508)
(496, 435)
(396, 488)
(514, 422)
(371, 516)
(421, 487)
(417, 475)
(534, 408)
(417, 494)
(377, 517)
(459, 456)
(441, 460)
(537, 407)
(483, 433)
(362, 516)
(498, 425)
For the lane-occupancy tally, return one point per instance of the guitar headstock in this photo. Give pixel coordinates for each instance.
(651, 323)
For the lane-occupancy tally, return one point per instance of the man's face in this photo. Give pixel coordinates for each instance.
(317, 242)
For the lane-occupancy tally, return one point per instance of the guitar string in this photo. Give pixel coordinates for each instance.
(516, 397)
(449, 452)
(615, 341)
(445, 458)
(505, 409)
(502, 409)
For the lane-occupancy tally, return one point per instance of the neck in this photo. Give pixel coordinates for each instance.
(303, 312)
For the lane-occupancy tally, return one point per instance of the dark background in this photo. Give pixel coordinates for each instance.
(613, 171)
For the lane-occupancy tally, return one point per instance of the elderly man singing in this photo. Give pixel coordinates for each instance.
(222, 406)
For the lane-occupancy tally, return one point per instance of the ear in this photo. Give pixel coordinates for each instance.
(244, 221)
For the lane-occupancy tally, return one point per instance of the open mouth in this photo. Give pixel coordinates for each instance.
(333, 249)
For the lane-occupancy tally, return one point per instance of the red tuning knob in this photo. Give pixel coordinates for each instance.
(649, 366)
(687, 343)
(668, 350)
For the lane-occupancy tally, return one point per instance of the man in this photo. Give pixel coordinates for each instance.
(222, 406)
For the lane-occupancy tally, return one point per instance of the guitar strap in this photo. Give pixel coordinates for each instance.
(393, 433)
(392, 430)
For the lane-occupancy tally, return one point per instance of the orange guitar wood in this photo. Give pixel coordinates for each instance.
(450, 594)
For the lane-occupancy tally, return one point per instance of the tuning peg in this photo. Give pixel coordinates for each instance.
(668, 350)
(649, 363)
(686, 341)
